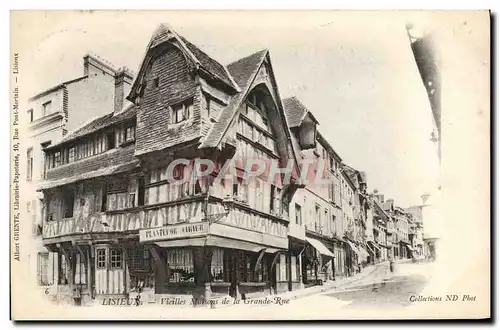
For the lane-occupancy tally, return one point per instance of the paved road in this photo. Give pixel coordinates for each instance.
(383, 289)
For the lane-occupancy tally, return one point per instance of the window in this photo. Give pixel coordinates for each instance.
(46, 108)
(141, 190)
(178, 114)
(181, 265)
(272, 199)
(101, 258)
(217, 266)
(298, 214)
(156, 82)
(130, 133)
(57, 159)
(110, 137)
(43, 265)
(235, 189)
(71, 154)
(317, 218)
(104, 202)
(69, 200)
(178, 172)
(207, 105)
(182, 111)
(139, 259)
(115, 258)
(30, 115)
(131, 200)
(29, 156)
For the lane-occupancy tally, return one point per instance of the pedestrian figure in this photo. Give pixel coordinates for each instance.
(391, 265)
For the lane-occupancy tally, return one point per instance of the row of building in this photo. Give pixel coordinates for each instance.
(107, 221)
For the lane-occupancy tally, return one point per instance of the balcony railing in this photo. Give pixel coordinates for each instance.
(156, 216)
(125, 220)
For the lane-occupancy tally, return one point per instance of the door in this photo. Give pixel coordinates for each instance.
(109, 270)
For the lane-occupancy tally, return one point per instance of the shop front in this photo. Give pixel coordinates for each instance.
(208, 260)
(359, 254)
(409, 250)
(377, 252)
(317, 262)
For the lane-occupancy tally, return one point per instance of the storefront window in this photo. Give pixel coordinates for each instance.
(139, 259)
(139, 265)
(181, 265)
(217, 266)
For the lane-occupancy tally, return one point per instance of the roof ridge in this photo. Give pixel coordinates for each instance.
(184, 39)
(247, 57)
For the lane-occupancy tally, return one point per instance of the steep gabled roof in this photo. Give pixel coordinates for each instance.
(379, 210)
(296, 111)
(199, 59)
(243, 71)
(210, 64)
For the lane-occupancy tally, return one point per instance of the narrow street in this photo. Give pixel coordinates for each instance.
(378, 289)
(381, 289)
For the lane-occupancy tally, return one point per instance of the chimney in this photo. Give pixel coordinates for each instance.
(123, 82)
(94, 65)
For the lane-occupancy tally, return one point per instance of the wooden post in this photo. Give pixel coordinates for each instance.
(125, 272)
(289, 273)
(161, 269)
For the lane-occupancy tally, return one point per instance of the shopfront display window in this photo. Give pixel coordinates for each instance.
(181, 266)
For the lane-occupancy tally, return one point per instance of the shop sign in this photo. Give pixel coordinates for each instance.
(173, 232)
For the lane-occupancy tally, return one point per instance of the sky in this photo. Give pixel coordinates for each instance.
(353, 70)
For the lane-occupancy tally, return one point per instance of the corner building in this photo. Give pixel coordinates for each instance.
(119, 226)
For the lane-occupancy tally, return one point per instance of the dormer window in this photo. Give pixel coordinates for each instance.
(181, 111)
(307, 133)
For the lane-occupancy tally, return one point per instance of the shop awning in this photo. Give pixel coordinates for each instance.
(353, 247)
(217, 241)
(375, 245)
(363, 253)
(320, 247)
(409, 246)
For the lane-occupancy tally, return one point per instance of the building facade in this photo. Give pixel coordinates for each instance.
(120, 225)
(51, 115)
(153, 198)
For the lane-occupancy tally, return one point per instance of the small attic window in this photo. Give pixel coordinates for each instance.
(156, 82)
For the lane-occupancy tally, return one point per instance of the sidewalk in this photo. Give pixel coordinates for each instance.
(337, 284)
